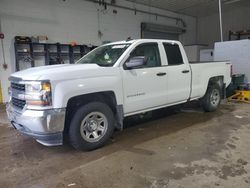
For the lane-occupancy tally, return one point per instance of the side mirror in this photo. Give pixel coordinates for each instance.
(136, 62)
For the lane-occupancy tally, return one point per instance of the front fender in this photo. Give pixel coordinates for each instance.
(67, 89)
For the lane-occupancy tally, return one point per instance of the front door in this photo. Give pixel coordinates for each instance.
(145, 87)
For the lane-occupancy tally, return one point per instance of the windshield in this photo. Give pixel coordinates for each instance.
(105, 56)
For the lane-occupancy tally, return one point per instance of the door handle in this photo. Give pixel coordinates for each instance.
(161, 74)
(186, 71)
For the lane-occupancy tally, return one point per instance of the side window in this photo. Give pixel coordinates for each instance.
(173, 54)
(150, 51)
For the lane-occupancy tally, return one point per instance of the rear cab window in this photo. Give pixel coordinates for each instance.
(173, 54)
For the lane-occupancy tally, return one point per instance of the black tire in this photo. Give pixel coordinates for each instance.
(75, 130)
(209, 103)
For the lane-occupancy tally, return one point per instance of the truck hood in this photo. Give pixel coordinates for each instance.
(61, 72)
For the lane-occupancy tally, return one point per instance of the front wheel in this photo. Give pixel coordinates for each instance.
(211, 100)
(91, 126)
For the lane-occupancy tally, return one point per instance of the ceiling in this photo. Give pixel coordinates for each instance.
(197, 8)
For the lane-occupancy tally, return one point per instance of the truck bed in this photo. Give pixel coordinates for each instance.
(201, 71)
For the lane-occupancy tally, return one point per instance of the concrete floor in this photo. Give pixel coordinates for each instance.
(184, 149)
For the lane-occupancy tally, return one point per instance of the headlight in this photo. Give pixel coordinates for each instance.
(33, 87)
(38, 93)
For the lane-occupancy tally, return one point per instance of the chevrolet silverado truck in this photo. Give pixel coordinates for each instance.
(86, 101)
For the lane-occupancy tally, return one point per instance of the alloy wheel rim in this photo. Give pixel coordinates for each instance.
(215, 97)
(94, 126)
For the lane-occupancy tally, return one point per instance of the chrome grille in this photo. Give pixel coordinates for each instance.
(18, 103)
(16, 86)
(17, 89)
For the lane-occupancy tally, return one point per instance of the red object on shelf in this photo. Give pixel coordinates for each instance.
(73, 44)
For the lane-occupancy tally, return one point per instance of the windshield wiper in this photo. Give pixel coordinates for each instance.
(104, 65)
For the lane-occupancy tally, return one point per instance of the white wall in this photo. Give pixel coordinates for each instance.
(208, 27)
(237, 52)
(74, 20)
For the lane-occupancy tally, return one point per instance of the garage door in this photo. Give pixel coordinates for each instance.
(154, 31)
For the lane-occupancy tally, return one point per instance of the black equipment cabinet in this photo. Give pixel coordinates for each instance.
(33, 54)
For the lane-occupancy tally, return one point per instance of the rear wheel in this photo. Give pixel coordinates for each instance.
(212, 98)
(91, 126)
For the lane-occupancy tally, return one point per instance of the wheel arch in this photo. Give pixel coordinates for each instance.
(216, 80)
(107, 97)
(213, 80)
(219, 80)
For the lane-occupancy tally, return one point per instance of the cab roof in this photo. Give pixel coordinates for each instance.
(142, 40)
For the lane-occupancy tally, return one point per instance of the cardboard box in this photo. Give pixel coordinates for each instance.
(42, 39)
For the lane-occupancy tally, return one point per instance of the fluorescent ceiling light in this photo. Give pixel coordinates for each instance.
(230, 1)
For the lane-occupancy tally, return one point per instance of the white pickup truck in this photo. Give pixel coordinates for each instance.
(86, 101)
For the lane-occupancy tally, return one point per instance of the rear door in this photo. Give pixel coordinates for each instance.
(145, 87)
(178, 74)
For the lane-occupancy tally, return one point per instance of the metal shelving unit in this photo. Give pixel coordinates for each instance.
(32, 54)
(238, 34)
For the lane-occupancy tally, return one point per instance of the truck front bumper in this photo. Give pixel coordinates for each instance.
(46, 126)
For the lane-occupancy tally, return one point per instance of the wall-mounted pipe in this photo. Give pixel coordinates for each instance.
(141, 11)
(221, 27)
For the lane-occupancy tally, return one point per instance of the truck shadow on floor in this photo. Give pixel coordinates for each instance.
(192, 107)
(162, 122)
